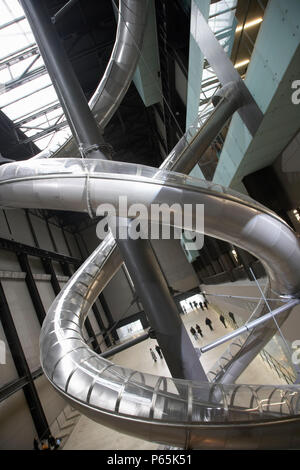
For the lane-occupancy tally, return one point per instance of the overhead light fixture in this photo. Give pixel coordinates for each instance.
(242, 63)
(249, 24)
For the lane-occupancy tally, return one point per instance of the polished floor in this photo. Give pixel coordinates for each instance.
(88, 435)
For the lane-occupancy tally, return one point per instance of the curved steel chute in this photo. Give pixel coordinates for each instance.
(117, 397)
(164, 410)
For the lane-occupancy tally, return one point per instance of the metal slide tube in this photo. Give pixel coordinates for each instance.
(116, 396)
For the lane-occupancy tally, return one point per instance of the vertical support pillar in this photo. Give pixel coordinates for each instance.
(32, 231)
(101, 325)
(161, 309)
(78, 246)
(49, 269)
(51, 236)
(66, 241)
(108, 315)
(32, 288)
(246, 260)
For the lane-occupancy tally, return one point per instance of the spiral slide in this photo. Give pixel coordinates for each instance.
(187, 414)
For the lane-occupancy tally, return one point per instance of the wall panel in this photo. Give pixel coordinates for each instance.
(17, 430)
(25, 319)
(8, 372)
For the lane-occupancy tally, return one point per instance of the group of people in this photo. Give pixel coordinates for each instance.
(195, 305)
(208, 322)
(158, 350)
(198, 331)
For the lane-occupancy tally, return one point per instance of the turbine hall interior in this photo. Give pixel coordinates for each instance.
(149, 225)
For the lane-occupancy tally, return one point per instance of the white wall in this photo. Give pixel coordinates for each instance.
(17, 429)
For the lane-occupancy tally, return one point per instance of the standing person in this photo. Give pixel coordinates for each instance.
(36, 444)
(153, 355)
(209, 323)
(232, 317)
(201, 306)
(158, 350)
(191, 305)
(195, 304)
(206, 304)
(199, 331)
(52, 442)
(183, 309)
(193, 331)
(222, 319)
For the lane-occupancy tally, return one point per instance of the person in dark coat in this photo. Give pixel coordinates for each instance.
(195, 304)
(201, 306)
(206, 304)
(158, 350)
(199, 331)
(232, 317)
(193, 331)
(191, 305)
(36, 444)
(153, 355)
(208, 322)
(222, 319)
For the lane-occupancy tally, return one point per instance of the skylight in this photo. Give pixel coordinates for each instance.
(27, 95)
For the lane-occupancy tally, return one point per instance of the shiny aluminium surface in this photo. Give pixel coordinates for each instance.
(188, 414)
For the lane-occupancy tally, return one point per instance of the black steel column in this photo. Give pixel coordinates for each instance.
(108, 315)
(32, 231)
(32, 288)
(51, 235)
(66, 240)
(92, 335)
(161, 309)
(131, 286)
(82, 123)
(246, 260)
(30, 393)
(49, 269)
(78, 246)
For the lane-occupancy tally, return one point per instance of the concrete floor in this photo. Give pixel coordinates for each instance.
(88, 435)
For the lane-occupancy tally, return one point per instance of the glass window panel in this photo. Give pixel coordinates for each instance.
(19, 68)
(4, 77)
(15, 36)
(22, 90)
(30, 103)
